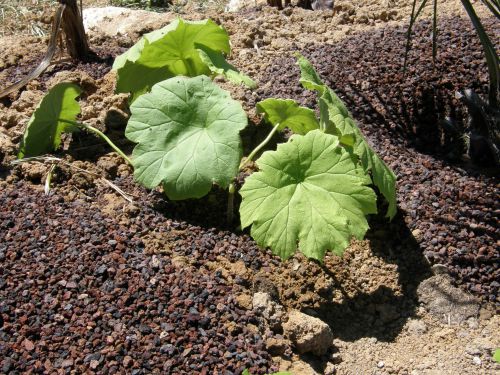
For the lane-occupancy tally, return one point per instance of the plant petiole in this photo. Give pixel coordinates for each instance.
(259, 147)
(232, 188)
(100, 134)
(230, 203)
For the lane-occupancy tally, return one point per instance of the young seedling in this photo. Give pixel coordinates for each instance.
(56, 114)
(313, 192)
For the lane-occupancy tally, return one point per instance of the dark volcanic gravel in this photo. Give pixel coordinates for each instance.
(453, 209)
(79, 292)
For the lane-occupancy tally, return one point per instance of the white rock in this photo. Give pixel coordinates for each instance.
(322, 4)
(380, 364)
(112, 21)
(271, 311)
(236, 5)
(307, 333)
(477, 361)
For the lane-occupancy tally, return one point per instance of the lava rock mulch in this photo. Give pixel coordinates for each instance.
(78, 292)
(452, 209)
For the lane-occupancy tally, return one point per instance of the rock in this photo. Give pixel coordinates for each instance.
(472, 350)
(445, 301)
(245, 301)
(113, 21)
(439, 269)
(94, 364)
(477, 361)
(336, 358)
(264, 285)
(236, 5)
(67, 363)
(322, 4)
(416, 327)
(277, 346)
(330, 369)
(28, 345)
(307, 333)
(127, 361)
(271, 311)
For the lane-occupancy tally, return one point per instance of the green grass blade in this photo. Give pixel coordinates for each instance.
(413, 18)
(493, 6)
(489, 51)
(434, 33)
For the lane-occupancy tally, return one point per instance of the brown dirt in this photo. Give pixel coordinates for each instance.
(368, 297)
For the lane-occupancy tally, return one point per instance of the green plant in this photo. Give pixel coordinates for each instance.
(54, 115)
(188, 48)
(313, 193)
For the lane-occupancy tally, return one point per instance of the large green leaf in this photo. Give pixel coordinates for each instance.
(43, 132)
(336, 119)
(188, 135)
(288, 114)
(217, 64)
(177, 48)
(169, 52)
(134, 52)
(309, 192)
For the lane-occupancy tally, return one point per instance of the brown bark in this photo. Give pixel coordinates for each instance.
(74, 32)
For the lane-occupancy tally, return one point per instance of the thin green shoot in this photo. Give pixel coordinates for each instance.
(48, 179)
(100, 134)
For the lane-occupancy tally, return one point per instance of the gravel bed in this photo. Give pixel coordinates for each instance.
(78, 291)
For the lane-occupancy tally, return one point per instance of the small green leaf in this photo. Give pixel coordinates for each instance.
(188, 135)
(309, 78)
(217, 64)
(308, 192)
(43, 132)
(288, 114)
(336, 119)
(496, 355)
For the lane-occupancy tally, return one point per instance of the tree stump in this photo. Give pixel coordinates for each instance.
(74, 32)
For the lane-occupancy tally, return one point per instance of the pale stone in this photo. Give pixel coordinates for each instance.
(307, 333)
